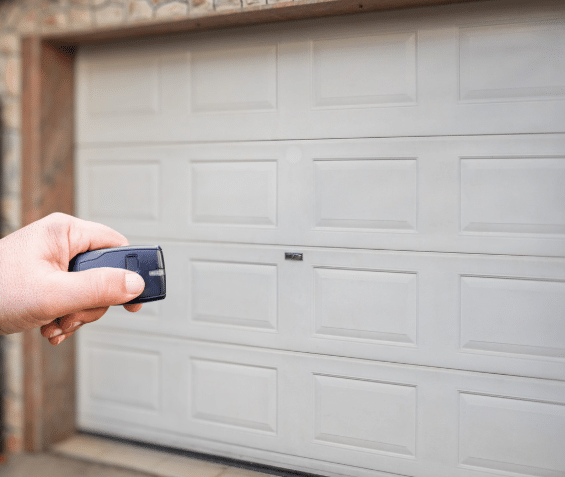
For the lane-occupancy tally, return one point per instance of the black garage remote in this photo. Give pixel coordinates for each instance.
(147, 260)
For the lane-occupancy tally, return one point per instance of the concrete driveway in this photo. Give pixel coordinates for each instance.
(87, 455)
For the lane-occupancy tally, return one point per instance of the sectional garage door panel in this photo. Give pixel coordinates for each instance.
(496, 194)
(416, 160)
(402, 419)
(481, 313)
(458, 71)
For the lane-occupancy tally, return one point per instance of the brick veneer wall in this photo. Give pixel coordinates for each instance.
(24, 17)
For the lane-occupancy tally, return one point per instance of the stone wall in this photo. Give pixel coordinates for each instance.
(22, 17)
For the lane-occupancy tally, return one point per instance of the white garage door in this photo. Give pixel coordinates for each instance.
(416, 160)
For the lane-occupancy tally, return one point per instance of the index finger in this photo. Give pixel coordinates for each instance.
(85, 235)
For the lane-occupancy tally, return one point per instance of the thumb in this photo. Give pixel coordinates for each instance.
(99, 287)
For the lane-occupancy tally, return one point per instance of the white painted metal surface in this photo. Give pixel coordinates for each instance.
(417, 161)
(494, 68)
(486, 194)
(331, 415)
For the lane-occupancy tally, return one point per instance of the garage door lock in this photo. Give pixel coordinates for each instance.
(293, 256)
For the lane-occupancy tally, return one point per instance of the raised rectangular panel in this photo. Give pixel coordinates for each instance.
(520, 195)
(513, 316)
(124, 190)
(238, 294)
(243, 79)
(512, 435)
(234, 394)
(365, 415)
(242, 192)
(128, 377)
(363, 304)
(378, 194)
(512, 61)
(350, 72)
(123, 86)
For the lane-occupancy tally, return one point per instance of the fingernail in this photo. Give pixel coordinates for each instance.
(134, 283)
(57, 332)
(74, 325)
(58, 340)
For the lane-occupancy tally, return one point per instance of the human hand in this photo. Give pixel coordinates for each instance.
(36, 288)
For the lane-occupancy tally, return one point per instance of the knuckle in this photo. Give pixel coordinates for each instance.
(58, 218)
(56, 226)
(103, 287)
(97, 286)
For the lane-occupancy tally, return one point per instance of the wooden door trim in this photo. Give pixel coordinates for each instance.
(47, 186)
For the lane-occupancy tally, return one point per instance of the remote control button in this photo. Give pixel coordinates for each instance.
(132, 263)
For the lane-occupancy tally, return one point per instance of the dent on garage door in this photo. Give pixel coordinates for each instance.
(416, 160)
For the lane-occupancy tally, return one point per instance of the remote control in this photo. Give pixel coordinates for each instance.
(147, 260)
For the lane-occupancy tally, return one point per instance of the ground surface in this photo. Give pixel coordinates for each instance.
(87, 455)
(49, 465)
